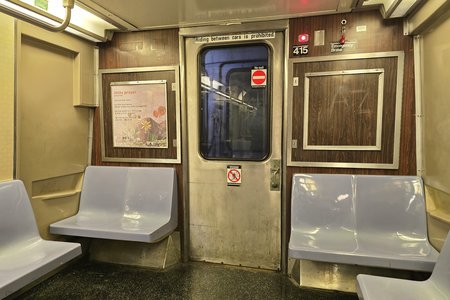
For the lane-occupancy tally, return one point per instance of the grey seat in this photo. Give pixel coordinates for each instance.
(124, 203)
(24, 255)
(375, 221)
(437, 287)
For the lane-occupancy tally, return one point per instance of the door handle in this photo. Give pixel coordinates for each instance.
(275, 175)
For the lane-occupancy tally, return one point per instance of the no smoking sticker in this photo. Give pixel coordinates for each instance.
(234, 175)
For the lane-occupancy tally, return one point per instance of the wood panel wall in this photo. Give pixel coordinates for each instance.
(340, 114)
(159, 153)
(380, 35)
(139, 49)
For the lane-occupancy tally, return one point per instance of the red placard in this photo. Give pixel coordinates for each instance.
(259, 78)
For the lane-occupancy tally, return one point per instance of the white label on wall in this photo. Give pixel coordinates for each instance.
(361, 28)
(337, 47)
(234, 175)
(251, 36)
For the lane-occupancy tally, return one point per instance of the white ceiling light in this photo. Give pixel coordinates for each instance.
(51, 13)
(393, 8)
(403, 8)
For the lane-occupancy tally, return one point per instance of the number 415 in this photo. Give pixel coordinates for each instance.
(300, 50)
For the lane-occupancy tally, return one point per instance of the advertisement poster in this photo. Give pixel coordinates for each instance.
(139, 114)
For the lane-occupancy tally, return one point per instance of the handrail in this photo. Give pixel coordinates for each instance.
(68, 5)
(240, 102)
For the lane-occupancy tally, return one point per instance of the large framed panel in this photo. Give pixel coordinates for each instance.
(363, 105)
(345, 111)
(134, 80)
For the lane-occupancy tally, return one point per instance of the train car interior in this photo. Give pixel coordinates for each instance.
(200, 149)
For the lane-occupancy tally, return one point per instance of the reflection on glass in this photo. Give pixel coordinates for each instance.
(234, 121)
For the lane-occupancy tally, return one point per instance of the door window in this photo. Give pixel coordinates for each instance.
(235, 114)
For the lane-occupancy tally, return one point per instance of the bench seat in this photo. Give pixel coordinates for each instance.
(24, 255)
(371, 287)
(364, 220)
(124, 203)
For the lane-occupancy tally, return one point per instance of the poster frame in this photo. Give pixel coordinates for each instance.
(174, 142)
(149, 102)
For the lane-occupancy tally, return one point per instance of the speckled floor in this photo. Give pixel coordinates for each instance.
(87, 280)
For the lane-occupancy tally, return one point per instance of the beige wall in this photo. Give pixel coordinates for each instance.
(55, 75)
(436, 100)
(436, 132)
(6, 97)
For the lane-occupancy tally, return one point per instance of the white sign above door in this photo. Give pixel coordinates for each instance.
(249, 36)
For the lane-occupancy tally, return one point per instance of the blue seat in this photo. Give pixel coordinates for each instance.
(377, 221)
(124, 203)
(437, 287)
(24, 255)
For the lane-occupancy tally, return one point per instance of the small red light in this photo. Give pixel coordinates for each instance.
(303, 38)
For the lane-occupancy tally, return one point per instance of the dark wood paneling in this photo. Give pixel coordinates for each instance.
(139, 49)
(162, 153)
(344, 113)
(380, 35)
(344, 125)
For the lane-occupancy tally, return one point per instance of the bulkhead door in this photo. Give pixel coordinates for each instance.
(234, 112)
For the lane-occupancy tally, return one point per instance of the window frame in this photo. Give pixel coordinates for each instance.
(269, 114)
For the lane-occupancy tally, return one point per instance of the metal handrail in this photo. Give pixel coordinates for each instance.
(235, 100)
(68, 5)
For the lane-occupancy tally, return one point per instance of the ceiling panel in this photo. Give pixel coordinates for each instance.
(144, 14)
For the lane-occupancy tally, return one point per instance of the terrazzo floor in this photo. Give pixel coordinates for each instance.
(87, 280)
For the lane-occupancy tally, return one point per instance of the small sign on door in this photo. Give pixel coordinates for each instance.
(234, 175)
(259, 78)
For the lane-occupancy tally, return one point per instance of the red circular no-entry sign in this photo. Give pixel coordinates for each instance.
(259, 77)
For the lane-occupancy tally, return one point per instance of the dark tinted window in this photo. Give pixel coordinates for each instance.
(235, 115)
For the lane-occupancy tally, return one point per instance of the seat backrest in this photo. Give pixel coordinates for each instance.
(151, 190)
(441, 271)
(322, 201)
(391, 205)
(103, 189)
(17, 221)
(129, 190)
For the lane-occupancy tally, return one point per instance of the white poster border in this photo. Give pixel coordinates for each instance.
(136, 139)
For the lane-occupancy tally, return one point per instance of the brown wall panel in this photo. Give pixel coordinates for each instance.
(117, 152)
(131, 50)
(380, 36)
(341, 125)
(140, 49)
(345, 112)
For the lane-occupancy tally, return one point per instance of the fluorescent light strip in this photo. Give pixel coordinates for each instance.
(403, 8)
(90, 26)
